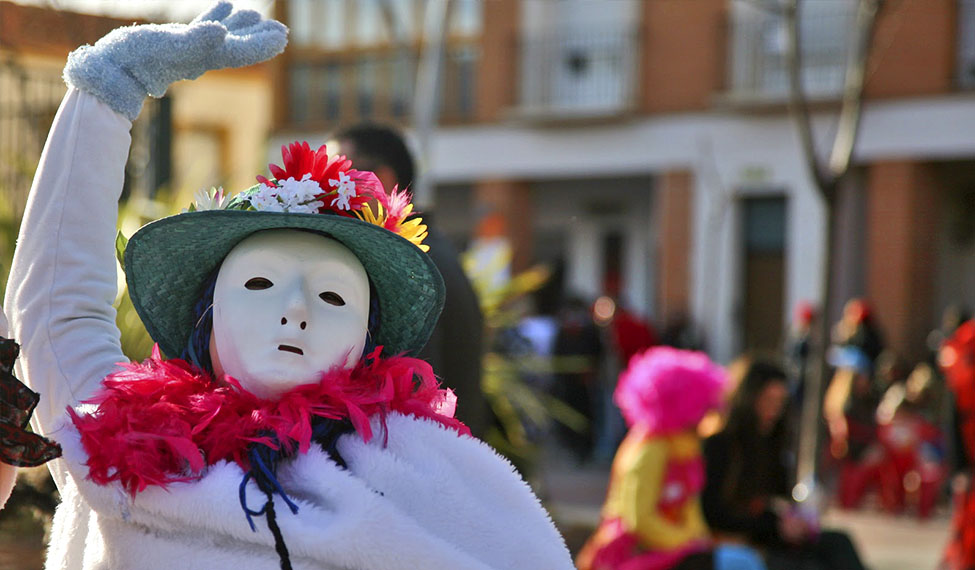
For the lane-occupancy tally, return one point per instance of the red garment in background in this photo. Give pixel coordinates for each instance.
(631, 335)
(957, 359)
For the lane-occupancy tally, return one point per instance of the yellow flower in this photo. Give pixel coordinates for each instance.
(413, 230)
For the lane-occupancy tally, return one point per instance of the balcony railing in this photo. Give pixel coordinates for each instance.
(578, 73)
(343, 87)
(758, 68)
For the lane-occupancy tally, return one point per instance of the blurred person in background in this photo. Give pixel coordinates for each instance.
(578, 340)
(957, 360)
(798, 355)
(680, 332)
(798, 350)
(455, 347)
(951, 318)
(891, 372)
(908, 420)
(857, 329)
(652, 517)
(630, 333)
(747, 491)
(850, 408)
(626, 334)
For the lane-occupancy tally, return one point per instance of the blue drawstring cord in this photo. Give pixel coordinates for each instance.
(265, 458)
(264, 461)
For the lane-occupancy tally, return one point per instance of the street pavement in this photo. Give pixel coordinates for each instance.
(574, 493)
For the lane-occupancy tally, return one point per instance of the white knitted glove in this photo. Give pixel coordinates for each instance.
(132, 62)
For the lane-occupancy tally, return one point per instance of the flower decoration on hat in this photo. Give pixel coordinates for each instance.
(392, 212)
(212, 199)
(314, 182)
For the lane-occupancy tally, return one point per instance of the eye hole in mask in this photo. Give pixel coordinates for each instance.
(258, 283)
(332, 298)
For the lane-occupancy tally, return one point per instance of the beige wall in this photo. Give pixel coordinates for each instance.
(221, 122)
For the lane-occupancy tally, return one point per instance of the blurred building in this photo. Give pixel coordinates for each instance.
(647, 146)
(204, 133)
(642, 147)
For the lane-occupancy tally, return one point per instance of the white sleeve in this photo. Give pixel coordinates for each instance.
(63, 279)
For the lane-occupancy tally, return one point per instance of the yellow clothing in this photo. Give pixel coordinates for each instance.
(637, 484)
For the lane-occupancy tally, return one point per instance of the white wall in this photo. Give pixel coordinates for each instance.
(734, 154)
(730, 156)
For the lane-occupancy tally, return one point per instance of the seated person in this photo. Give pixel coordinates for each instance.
(746, 495)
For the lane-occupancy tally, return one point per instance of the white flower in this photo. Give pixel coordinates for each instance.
(309, 208)
(297, 196)
(346, 189)
(212, 199)
(293, 192)
(266, 200)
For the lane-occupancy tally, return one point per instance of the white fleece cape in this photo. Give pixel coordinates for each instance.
(430, 499)
(427, 499)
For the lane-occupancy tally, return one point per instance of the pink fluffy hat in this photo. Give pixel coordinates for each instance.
(667, 390)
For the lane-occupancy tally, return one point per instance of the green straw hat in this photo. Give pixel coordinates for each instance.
(168, 262)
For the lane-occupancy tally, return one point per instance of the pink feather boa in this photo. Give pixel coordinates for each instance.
(163, 421)
(667, 390)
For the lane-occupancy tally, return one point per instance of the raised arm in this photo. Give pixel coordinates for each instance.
(63, 277)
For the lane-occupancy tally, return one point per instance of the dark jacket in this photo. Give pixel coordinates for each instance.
(737, 496)
(455, 347)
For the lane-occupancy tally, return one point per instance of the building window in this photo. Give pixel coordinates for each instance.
(299, 88)
(578, 58)
(759, 43)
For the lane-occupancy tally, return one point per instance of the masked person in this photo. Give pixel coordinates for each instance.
(292, 308)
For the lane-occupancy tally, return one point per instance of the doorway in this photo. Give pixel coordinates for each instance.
(764, 230)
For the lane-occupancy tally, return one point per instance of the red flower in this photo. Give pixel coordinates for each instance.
(299, 160)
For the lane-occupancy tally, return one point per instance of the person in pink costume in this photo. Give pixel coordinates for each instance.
(652, 517)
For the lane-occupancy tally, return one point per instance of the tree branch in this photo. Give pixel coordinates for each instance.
(798, 104)
(856, 70)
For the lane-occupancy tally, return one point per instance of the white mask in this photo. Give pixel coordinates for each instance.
(287, 305)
